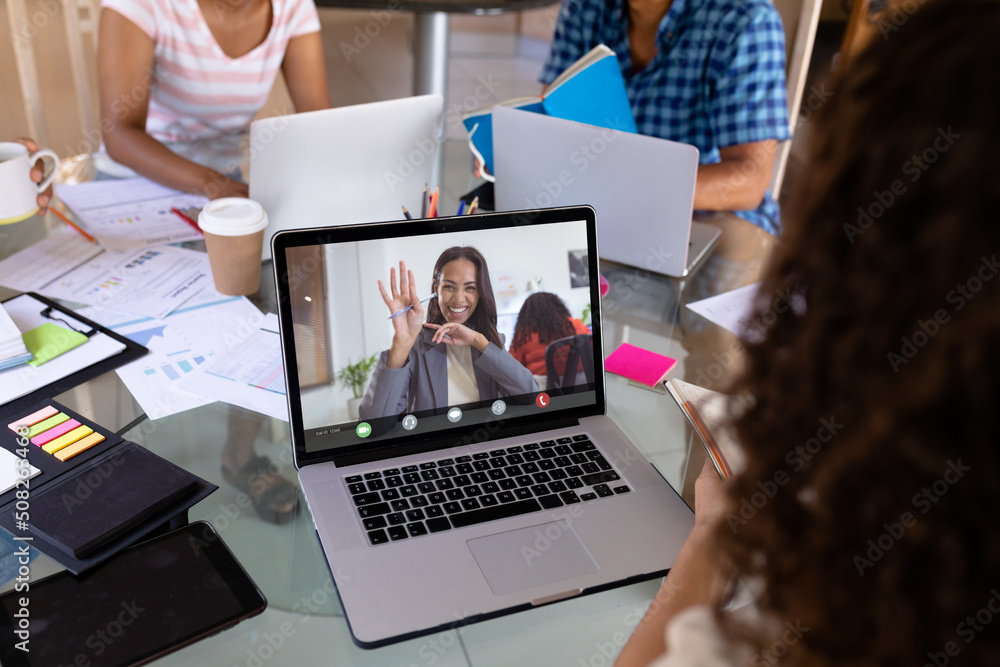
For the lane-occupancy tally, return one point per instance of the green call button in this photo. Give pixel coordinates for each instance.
(364, 430)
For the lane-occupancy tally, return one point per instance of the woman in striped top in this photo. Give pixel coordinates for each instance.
(180, 81)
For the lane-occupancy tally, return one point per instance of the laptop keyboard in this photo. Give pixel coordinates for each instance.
(409, 501)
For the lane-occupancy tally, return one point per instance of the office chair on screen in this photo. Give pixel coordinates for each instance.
(575, 356)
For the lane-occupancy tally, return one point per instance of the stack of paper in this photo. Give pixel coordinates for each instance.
(12, 349)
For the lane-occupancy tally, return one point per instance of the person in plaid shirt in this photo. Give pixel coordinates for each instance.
(710, 73)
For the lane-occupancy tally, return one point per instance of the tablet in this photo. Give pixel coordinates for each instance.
(147, 601)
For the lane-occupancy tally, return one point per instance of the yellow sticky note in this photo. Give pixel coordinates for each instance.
(74, 449)
(68, 439)
(49, 341)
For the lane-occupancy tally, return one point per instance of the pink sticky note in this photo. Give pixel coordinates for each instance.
(605, 285)
(47, 436)
(33, 418)
(638, 364)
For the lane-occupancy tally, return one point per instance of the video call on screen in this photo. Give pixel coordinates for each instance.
(340, 318)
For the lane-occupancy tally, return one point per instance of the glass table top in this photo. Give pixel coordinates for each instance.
(304, 623)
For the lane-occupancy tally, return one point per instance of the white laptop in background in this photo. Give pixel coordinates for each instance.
(641, 187)
(339, 166)
(456, 514)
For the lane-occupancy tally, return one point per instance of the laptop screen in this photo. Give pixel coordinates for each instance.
(496, 329)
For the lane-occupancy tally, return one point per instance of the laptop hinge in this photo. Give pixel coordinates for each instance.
(470, 439)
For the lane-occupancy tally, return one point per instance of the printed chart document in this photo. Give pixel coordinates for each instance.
(26, 313)
(131, 213)
(209, 324)
(31, 269)
(152, 282)
(731, 311)
(251, 375)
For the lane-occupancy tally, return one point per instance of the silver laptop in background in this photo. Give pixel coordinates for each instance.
(344, 165)
(641, 187)
(434, 515)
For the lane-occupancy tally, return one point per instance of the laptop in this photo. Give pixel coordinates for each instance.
(435, 513)
(300, 176)
(642, 187)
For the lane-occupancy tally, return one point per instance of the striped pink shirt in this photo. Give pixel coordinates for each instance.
(202, 101)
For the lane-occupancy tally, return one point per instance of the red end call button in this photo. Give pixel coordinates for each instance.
(542, 400)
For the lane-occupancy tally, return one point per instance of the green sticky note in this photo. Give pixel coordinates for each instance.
(49, 341)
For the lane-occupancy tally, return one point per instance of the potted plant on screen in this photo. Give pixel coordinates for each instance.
(355, 377)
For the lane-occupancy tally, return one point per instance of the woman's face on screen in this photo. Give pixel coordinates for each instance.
(458, 290)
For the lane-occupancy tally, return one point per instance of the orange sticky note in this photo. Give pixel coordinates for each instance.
(72, 450)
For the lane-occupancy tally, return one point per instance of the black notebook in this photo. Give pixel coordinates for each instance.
(92, 508)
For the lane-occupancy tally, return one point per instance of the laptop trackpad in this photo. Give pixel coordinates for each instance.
(530, 557)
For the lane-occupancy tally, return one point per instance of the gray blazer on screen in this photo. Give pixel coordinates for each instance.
(422, 383)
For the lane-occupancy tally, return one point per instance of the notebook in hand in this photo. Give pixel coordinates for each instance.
(591, 90)
(708, 414)
(431, 503)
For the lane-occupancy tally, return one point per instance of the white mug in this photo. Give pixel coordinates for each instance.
(18, 193)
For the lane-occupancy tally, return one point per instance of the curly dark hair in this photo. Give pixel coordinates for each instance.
(545, 314)
(867, 507)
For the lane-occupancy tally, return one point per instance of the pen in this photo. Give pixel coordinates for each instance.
(473, 206)
(400, 312)
(423, 202)
(186, 219)
(432, 212)
(461, 206)
(407, 214)
(71, 224)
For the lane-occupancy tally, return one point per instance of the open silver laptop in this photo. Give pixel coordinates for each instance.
(432, 513)
(641, 187)
(344, 165)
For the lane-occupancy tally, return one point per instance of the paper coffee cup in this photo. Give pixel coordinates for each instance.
(234, 236)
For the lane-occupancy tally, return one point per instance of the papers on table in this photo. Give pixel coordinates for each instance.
(38, 265)
(26, 313)
(731, 311)
(250, 375)
(12, 349)
(9, 466)
(152, 282)
(131, 213)
(207, 325)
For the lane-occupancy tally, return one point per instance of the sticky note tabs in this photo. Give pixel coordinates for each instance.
(55, 432)
(72, 450)
(43, 426)
(68, 439)
(33, 418)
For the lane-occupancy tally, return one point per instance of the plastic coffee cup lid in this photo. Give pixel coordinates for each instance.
(232, 216)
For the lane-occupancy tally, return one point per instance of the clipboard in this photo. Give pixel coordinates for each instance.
(51, 311)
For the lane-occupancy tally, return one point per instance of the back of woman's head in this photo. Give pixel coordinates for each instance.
(545, 314)
(867, 508)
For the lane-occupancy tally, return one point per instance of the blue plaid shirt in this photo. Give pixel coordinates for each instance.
(717, 80)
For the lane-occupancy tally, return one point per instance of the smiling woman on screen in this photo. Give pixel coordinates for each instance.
(456, 356)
